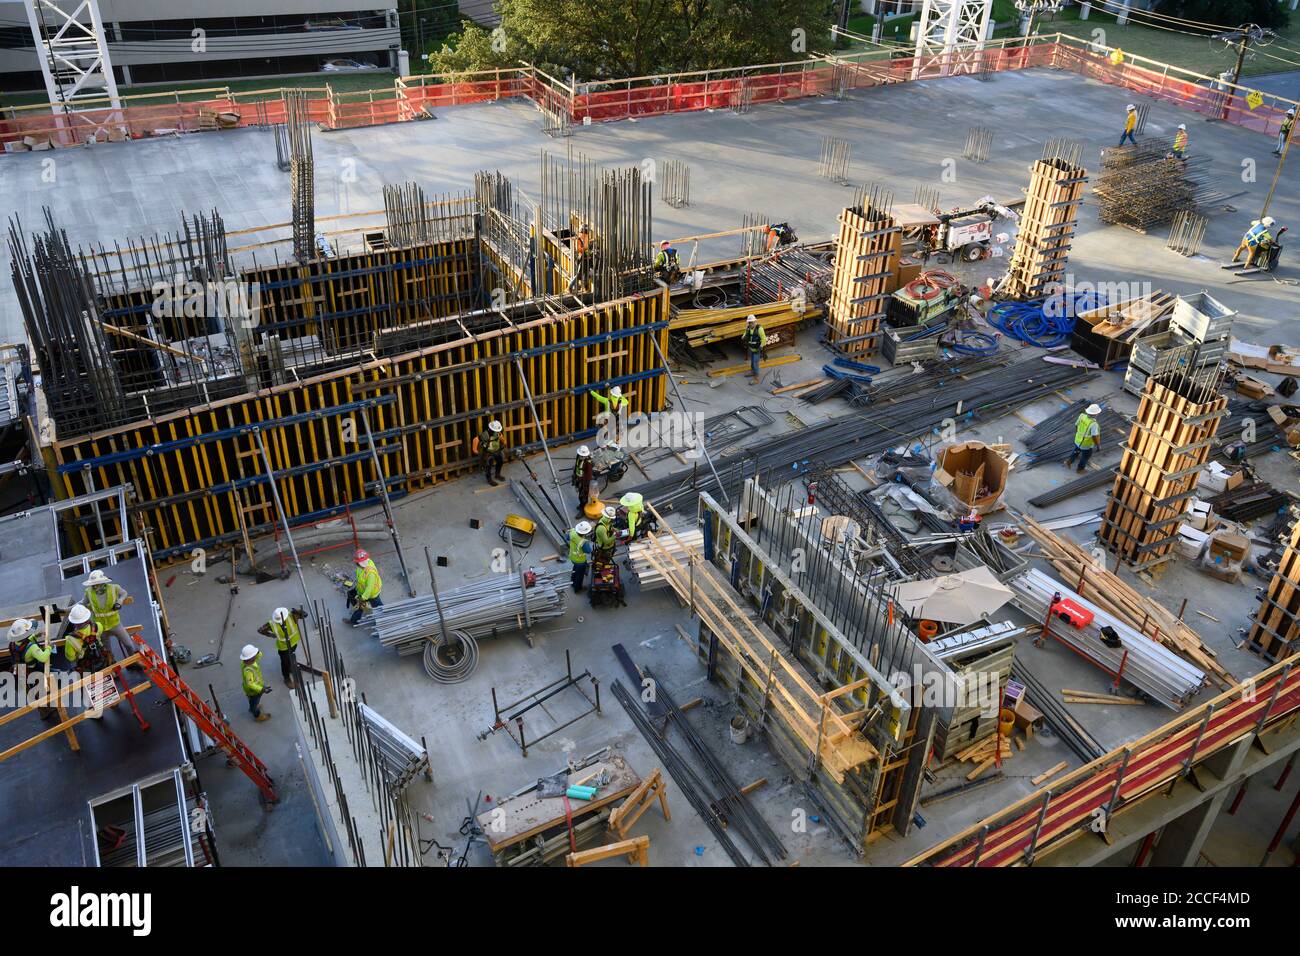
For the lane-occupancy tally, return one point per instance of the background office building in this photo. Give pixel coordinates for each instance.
(155, 41)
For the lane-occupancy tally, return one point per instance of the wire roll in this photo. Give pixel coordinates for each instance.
(438, 667)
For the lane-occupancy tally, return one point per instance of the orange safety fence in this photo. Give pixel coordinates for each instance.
(609, 101)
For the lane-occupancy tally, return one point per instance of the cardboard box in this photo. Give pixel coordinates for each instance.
(969, 468)
(1027, 715)
(1228, 547)
(1252, 387)
(1214, 478)
(1191, 542)
(1279, 416)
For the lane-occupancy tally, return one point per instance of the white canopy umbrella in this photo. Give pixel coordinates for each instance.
(961, 598)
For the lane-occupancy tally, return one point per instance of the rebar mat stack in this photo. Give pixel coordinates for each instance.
(481, 609)
(1144, 186)
(867, 432)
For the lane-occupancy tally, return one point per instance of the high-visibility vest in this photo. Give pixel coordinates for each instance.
(74, 645)
(1082, 425)
(368, 581)
(34, 652)
(101, 609)
(576, 552)
(610, 402)
(1256, 234)
(489, 442)
(286, 634)
(754, 338)
(1131, 122)
(605, 533)
(1287, 124)
(1180, 139)
(252, 674)
(580, 468)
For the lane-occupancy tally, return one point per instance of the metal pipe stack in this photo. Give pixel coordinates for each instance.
(1151, 667)
(482, 609)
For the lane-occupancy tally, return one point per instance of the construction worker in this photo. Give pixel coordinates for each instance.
(250, 668)
(1087, 436)
(581, 248)
(82, 631)
(364, 593)
(632, 504)
(490, 447)
(1180, 142)
(582, 477)
(606, 537)
(283, 626)
(778, 234)
(614, 408)
(1284, 131)
(666, 265)
(105, 600)
(1256, 241)
(27, 648)
(1130, 124)
(754, 338)
(580, 551)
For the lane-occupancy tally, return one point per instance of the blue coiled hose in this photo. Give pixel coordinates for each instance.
(1045, 323)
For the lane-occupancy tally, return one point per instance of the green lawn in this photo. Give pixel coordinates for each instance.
(361, 80)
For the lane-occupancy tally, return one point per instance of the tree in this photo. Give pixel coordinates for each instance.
(606, 39)
(1227, 13)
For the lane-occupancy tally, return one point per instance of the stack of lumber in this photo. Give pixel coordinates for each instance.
(983, 754)
(1172, 437)
(1275, 632)
(1089, 697)
(1107, 333)
(1079, 569)
(647, 575)
(705, 326)
(1046, 228)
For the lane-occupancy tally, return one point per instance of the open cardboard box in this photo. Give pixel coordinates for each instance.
(967, 467)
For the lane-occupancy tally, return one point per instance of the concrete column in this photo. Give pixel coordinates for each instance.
(1122, 17)
(1181, 842)
(1084, 10)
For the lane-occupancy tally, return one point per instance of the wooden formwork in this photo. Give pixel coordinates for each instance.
(1046, 229)
(1168, 445)
(201, 481)
(1276, 631)
(859, 293)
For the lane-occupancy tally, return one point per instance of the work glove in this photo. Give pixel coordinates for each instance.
(117, 606)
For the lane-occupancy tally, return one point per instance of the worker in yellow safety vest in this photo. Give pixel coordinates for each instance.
(283, 626)
(105, 600)
(1256, 240)
(1130, 125)
(1284, 131)
(490, 448)
(632, 504)
(26, 647)
(583, 473)
(83, 643)
(606, 538)
(614, 409)
(579, 554)
(1180, 141)
(1087, 436)
(250, 669)
(364, 593)
(754, 338)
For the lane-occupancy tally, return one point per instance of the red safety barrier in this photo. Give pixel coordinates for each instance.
(1109, 784)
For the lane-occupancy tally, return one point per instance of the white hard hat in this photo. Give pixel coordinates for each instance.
(583, 451)
(616, 392)
(79, 614)
(751, 318)
(609, 512)
(20, 629)
(494, 426)
(97, 577)
(1132, 107)
(1267, 220)
(1291, 111)
(281, 615)
(1093, 409)
(583, 528)
(1182, 126)
(249, 652)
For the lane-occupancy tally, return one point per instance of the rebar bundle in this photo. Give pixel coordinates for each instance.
(742, 96)
(1052, 439)
(834, 161)
(1068, 151)
(790, 273)
(1145, 186)
(57, 299)
(302, 174)
(676, 178)
(979, 140)
(927, 197)
(280, 132)
(753, 241)
(1187, 232)
(410, 217)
